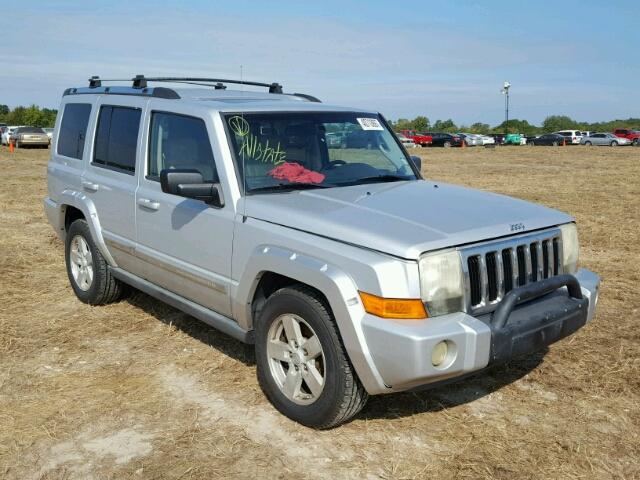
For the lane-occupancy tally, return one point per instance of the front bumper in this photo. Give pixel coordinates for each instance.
(402, 350)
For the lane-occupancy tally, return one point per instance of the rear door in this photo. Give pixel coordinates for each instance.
(110, 177)
(184, 244)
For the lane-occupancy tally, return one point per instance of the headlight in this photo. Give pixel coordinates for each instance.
(441, 282)
(570, 247)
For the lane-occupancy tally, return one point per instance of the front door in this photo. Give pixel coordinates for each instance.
(184, 244)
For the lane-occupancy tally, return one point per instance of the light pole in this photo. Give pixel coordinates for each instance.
(505, 92)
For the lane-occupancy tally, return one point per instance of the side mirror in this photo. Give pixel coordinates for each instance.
(190, 184)
(417, 161)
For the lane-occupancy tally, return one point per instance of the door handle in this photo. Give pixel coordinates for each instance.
(149, 204)
(90, 186)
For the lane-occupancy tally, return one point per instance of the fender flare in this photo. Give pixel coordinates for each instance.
(337, 286)
(83, 203)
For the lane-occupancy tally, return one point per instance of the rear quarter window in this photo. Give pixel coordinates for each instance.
(73, 130)
(117, 137)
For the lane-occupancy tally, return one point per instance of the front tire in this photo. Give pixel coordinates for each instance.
(614, 143)
(446, 144)
(588, 144)
(88, 272)
(302, 366)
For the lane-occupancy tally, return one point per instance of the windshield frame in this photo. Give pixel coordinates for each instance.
(236, 161)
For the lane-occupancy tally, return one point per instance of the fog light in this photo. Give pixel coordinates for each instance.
(439, 353)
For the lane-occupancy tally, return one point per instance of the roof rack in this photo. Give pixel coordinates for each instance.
(140, 82)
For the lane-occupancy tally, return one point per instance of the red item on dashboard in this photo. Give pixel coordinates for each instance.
(295, 173)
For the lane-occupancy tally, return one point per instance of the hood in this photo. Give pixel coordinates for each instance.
(403, 219)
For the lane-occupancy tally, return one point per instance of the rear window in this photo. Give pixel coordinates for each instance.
(29, 130)
(73, 129)
(117, 138)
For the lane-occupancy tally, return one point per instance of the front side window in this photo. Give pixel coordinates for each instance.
(73, 129)
(277, 151)
(117, 137)
(178, 141)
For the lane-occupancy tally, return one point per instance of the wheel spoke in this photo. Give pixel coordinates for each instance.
(89, 274)
(74, 257)
(278, 350)
(312, 347)
(81, 277)
(292, 329)
(314, 380)
(292, 383)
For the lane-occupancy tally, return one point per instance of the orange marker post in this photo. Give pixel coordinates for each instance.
(11, 146)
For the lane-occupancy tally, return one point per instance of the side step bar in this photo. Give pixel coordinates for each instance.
(211, 318)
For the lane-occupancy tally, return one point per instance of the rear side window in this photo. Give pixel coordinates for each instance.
(73, 129)
(117, 137)
(178, 141)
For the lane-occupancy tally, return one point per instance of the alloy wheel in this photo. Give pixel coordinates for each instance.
(296, 359)
(81, 262)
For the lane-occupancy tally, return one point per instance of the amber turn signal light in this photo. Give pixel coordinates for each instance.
(393, 307)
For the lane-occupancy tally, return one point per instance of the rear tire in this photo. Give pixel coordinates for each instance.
(308, 377)
(635, 142)
(88, 271)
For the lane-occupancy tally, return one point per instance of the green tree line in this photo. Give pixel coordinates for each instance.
(552, 123)
(46, 117)
(33, 116)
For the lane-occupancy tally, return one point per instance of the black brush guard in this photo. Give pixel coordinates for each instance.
(537, 322)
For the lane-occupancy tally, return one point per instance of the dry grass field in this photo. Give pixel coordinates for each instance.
(140, 390)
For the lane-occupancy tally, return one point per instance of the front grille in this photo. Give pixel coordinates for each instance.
(494, 269)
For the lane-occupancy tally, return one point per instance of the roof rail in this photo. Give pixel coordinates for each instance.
(140, 82)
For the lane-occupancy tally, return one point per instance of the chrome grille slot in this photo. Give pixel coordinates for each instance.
(492, 276)
(507, 268)
(474, 277)
(493, 269)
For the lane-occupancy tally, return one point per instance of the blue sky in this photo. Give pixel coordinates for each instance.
(439, 59)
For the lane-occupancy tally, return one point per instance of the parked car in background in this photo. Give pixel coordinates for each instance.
(573, 137)
(49, 132)
(470, 139)
(632, 135)
(7, 133)
(608, 139)
(512, 139)
(549, 139)
(422, 139)
(487, 140)
(30, 136)
(406, 141)
(445, 140)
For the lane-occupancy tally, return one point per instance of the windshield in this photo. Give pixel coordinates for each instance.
(284, 151)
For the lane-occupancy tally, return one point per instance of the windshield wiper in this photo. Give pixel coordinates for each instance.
(283, 187)
(379, 178)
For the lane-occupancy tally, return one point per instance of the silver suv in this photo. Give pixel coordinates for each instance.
(307, 230)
